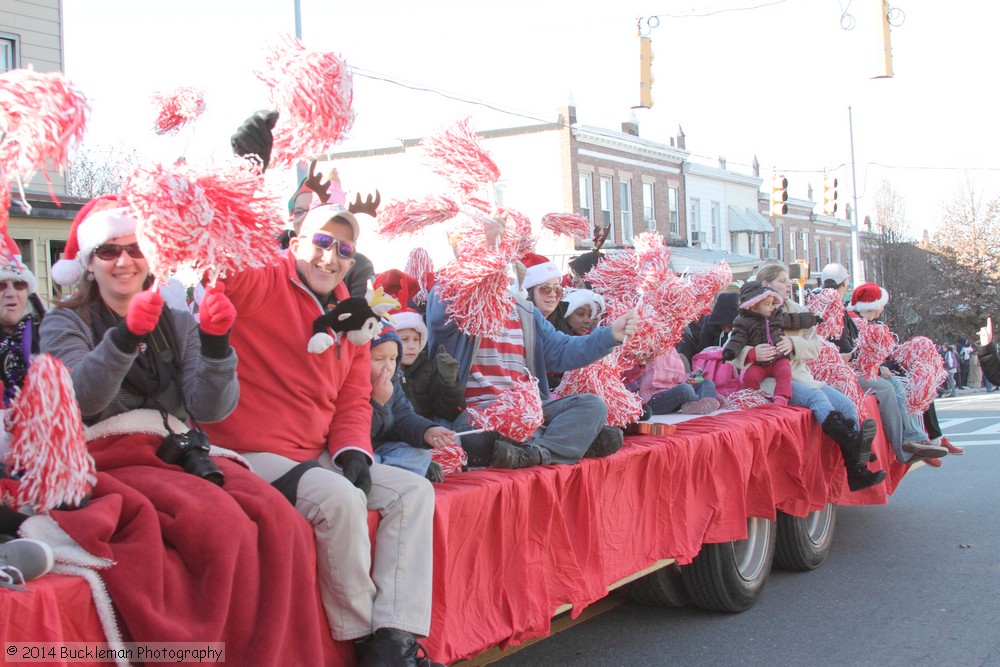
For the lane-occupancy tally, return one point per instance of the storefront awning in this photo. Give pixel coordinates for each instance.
(696, 259)
(743, 219)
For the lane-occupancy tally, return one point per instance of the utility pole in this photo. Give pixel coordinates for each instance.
(857, 270)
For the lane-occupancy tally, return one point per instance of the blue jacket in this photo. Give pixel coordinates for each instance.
(396, 421)
(546, 349)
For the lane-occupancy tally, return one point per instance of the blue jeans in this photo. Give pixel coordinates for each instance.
(823, 401)
(571, 424)
(671, 400)
(402, 455)
(913, 425)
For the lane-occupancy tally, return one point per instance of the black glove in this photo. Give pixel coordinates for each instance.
(819, 320)
(728, 354)
(447, 366)
(355, 465)
(254, 136)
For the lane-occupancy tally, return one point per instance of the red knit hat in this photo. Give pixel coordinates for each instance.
(540, 270)
(403, 287)
(69, 269)
(868, 296)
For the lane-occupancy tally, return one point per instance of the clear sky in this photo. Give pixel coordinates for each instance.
(771, 78)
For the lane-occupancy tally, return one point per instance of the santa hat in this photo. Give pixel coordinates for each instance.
(11, 266)
(575, 298)
(868, 296)
(403, 287)
(753, 292)
(539, 270)
(100, 219)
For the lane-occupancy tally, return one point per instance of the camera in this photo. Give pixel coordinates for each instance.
(190, 451)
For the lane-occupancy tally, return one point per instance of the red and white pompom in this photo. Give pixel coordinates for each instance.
(875, 343)
(567, 224)
(177, 107)
(452, 458)
(44, 117)
(47, 445)
(830, 367)
(603, 378)
(516, 412)
(615, 278)
(413, 215)
(313, 92)
(828, 304)
(477, 291)
(5, 200)
(744, 399)
(924, 369)
(706, 284)
(420, 266)
(455, 154)
(216, 221)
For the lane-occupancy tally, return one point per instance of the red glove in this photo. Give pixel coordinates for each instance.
(144, 312)
(217, 312)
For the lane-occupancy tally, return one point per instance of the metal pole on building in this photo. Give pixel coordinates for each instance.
(857, 270)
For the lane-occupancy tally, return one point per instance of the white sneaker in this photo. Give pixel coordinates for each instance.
(22, 560)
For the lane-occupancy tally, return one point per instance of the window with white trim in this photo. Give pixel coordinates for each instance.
(648, 207)
(587, 196)
(672, 211)
(716, 224)
(694, 220)
(625, 195)
(10, 52)
(607, 206)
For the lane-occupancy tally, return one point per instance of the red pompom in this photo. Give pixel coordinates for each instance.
(312, 92)
(452, 458)
(47, 447)
(828, 304)
(216, 221)
(830, 367)
(567, 224)
(420, 266)
(176, 108)
(477, 291)
(744, 399)
(925, 372)
(603, 378)
(409, 216)
(516, 412)
(455, 154)
(44, 116)
(875, 343)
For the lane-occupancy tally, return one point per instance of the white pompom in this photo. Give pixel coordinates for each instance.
(67, 272)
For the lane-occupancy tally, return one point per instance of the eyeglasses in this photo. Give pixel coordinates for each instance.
(112, 251)
(546, 290)
(323, 241)
(19, 285)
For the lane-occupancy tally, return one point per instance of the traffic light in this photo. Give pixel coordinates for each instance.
(645, 72)
(829, 195)
(779, 195)
(883, 42)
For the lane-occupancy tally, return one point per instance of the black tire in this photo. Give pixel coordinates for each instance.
(662, 588)
(804, 542)
(731, 576)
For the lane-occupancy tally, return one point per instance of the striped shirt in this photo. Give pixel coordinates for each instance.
(497, 364)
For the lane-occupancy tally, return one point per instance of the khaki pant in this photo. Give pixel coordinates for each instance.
(397, 593)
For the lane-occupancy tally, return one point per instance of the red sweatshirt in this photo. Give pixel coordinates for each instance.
(292, 403)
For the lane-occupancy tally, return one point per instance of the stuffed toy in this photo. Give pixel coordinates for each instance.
(357, 318)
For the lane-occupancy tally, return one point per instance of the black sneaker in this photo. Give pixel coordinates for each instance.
(511, 456)
(607, 442)
(395, 648)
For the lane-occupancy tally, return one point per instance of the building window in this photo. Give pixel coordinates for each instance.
(817, 266)
(694, 222)
(792, 238)
(587, 196)
(648, 208)
(752, 245)
(56, 250)
(625, 188)
(607, 220)
(803, 245)
(675, 225)
(9, 51)
(716, 224)
(781, 242)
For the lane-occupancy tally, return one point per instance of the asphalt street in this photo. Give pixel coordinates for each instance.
(915, 582)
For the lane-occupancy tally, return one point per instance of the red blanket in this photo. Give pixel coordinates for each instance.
(199, 563)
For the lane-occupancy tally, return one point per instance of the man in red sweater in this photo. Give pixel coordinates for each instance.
(303, 422)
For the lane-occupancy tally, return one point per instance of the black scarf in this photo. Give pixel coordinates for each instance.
(15, 348)
(157, 364)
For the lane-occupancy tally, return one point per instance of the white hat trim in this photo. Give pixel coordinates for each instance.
(862, 306)
(541, 273)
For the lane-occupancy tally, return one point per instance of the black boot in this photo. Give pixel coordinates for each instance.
(479, 447)
(852, 448)
(608, 441)
(868, 431)
(394, 648)
(512, 456)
